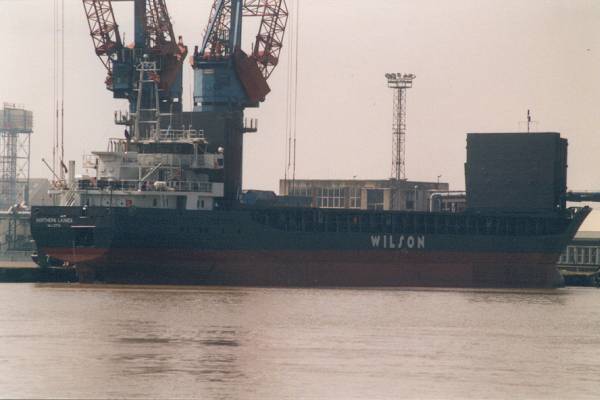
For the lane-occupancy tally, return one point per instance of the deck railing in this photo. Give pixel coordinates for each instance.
(160, 186)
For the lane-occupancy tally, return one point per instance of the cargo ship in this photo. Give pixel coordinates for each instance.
(165, 203)
(182, 232)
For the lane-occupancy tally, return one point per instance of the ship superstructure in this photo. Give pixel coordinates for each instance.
(159, 173)
(151, 166)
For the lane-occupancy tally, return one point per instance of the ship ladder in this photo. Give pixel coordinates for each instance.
(70, 197)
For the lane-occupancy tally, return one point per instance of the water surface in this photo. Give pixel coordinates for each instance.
(76, 341)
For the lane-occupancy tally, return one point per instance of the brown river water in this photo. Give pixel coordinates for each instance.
(96, 342)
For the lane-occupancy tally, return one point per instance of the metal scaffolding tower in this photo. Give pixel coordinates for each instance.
(399, 82)
(16, 126)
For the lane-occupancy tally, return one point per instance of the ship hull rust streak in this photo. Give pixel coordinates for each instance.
(311, 268)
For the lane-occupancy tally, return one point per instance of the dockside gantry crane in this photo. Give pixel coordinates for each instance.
(225, 76)
(226, 79)
(154, 40)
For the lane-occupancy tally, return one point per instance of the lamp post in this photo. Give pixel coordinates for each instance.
(399, 83)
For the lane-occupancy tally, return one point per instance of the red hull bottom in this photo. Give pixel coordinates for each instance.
(314, 268)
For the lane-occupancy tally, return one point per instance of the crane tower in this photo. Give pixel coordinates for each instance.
(399, 82)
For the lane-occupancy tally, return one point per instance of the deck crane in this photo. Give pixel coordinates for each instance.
(227, 78)
(154, 40)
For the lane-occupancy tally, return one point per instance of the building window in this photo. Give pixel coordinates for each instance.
(571, 251)
(444, 206)
(375, 199)
(354, 196)
(329, 197)
(410, 201)
(563, 258)
(300, 190)
(586, 255)
(576, 255)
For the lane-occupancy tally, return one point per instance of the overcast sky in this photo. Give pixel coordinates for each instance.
(480, 64)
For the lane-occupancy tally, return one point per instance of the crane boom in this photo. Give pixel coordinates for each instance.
(216, 35)
(159, 30)
(269, 39)
(103, 30)
(160, 40)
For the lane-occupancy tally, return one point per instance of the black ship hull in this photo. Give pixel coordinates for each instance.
(305, 247)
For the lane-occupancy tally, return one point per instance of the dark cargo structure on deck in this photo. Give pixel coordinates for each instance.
(516, 172)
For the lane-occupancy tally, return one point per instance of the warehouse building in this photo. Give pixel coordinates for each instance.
(376, 194)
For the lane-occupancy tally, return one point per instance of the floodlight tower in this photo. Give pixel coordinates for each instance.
(16, 126)
(399, 82)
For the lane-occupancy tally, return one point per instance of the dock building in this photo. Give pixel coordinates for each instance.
(375, 194)
(580, 262)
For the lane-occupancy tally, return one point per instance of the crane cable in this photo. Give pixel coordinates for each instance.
(296, 51)
(54, 81)
(292, 99)
(58, 85)
(62, 87)
(288, 81)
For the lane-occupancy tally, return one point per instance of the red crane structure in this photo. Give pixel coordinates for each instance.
(154, 40)
(269, 40)
(221, 52)
(220, 43)
(103, 30)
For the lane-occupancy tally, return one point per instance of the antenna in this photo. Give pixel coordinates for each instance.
(399, 82)
(530, 122)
